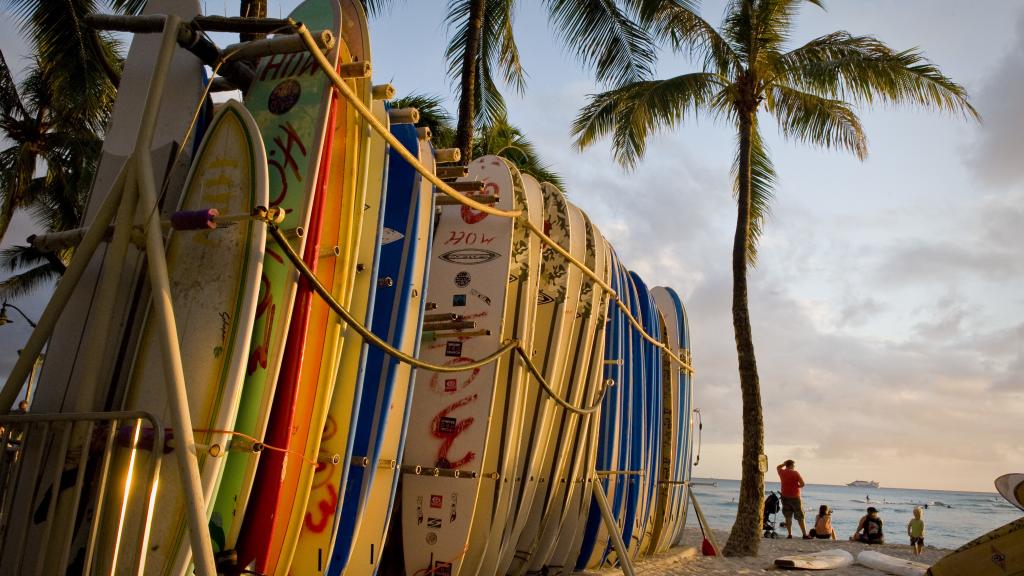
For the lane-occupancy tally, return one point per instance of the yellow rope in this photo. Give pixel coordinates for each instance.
(443, 187)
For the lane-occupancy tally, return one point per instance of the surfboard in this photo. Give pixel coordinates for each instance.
(669, 489)
(634, 431)
(313, 529)
(891, 564)
(824, 560)
(214, 279)
(567, 226)
(1011, 487)
(684, 433)
(999, 552)
(342, 422)
(611, 452)
(312, 339)
(560, 518)
(482, 271)
(651, 399)
(62, 368)
(397, 318)
(290, 100)
(678, 395)
(557, 300)
(504, 447)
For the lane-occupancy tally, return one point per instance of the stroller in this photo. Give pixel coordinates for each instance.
(772, 506)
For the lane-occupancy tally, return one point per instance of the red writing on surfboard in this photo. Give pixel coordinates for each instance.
(472, 216)
(282, 158)
(444, 429)
(464, 238)
(286, 65)
(265, 310)
(325, 510)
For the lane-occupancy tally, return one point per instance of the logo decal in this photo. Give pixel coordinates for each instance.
(388, 236)
(453, 348)
(431, 538)
(543, 298)
(459, 300)
(419, 510)
(451, 385)
(481, 296)
(436, 501)
(447, 425)
(462, 279)
(433, 522)
(469, 256)
(284, 96)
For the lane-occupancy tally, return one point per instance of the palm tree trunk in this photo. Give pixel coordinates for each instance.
(745, 535)
(467, 94)
(252, 9)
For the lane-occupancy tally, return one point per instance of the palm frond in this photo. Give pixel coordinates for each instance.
(685, 31)
(773, 22)
(503, 139)
(79, 56)
(864, 69)
(9, 97)
(378, 7)
(127, 6)
(497, 54)
(25, 282)
(762, 188)
(634, 111)
(817, 121)
(605, 35)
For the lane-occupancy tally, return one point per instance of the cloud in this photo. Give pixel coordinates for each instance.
(996, 154)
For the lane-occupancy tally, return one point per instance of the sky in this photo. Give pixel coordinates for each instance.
(887, 309)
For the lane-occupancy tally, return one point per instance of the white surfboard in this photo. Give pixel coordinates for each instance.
(482, 270)
(824, 560)
(1011, 486)
(891, 564)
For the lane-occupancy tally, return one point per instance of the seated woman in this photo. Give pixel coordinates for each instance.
(869, 530)
(823, 524)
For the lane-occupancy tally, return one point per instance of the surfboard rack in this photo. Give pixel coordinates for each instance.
(230, 62)
(134, 191)
(24, 437)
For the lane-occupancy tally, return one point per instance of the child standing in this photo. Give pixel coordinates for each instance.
(915, 529)
(823, 524)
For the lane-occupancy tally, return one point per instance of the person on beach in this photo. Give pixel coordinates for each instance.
(823, 524)
(792, 482)
(869, 530)
(915, 529)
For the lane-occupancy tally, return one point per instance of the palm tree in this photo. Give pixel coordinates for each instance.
(52, 125)
(602, 34)
(810, 91)
(496, 136)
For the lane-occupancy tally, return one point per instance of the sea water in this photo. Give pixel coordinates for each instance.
(951, 519)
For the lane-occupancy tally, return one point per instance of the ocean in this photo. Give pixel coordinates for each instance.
(951, 519)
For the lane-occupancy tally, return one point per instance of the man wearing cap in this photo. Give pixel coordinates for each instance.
(791, 482)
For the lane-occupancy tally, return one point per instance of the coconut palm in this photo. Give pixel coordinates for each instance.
(604, 35)
(497, 137)
(810, 91)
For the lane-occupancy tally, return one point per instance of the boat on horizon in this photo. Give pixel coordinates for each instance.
(863, 484)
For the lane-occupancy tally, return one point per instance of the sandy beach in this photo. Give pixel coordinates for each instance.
(686, 560)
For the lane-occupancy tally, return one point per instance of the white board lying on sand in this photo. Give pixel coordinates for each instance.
(891, 564)
(1011, 486)
(824, 560)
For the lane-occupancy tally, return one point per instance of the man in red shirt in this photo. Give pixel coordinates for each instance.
(791, 482)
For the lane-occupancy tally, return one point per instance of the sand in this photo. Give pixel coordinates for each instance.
(685, 560)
